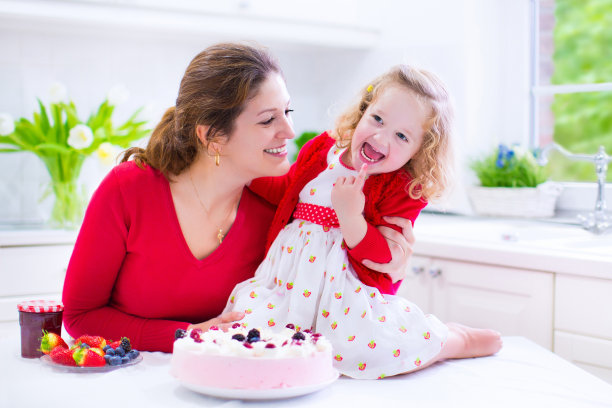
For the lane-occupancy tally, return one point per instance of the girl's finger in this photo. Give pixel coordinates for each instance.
(361, 177)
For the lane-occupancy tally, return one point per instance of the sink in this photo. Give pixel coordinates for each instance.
(534, 234)
(597, 244)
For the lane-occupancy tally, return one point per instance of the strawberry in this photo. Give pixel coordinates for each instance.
(62, 356)
(91, 341)
(115, 344)
(51, 340)
(89, 357)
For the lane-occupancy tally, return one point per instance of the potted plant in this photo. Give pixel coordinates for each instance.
(63, 141)
(512, 184)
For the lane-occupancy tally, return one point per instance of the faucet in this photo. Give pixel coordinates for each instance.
(597, 221)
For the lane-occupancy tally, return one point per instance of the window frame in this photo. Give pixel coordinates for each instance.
(576, 195)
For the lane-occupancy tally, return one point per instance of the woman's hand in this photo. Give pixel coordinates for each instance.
(400, 246)
(223, 321)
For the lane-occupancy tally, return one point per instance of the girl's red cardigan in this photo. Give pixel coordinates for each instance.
(386, 195)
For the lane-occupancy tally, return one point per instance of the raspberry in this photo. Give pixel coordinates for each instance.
(213, 328)
(195, 333)
(298, 336)
(270, 346)
(290, 326)
(179, 334)
(247, 345)
(239, 337)
(235, 325)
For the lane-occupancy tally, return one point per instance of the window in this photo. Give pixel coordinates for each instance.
(572, 82)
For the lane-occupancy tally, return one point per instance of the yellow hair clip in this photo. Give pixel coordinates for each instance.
(370, 88)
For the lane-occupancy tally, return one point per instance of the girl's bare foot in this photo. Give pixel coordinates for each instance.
(465, 342)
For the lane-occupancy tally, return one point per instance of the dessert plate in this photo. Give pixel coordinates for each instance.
(72, 369)
(267, 394)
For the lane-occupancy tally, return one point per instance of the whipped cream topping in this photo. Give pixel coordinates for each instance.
(218, 342)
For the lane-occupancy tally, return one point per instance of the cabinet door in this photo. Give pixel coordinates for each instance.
(589, 353)
(512, 301)
(416, 287)
(31, 272)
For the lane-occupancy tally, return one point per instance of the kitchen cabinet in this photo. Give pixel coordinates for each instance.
(511, 300)
(583, 326)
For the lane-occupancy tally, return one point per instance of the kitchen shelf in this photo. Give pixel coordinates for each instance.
(338, 24)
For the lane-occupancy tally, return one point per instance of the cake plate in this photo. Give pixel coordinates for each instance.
(265, 394)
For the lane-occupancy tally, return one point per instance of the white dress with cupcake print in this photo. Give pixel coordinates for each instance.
(306, 279)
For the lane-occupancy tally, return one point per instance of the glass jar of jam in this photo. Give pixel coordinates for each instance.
(36, 316)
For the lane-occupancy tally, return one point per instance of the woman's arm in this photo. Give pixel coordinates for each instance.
(400, 245)
(95, 264)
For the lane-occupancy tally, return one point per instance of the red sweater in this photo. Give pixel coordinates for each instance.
(386, 195)
(132, 273)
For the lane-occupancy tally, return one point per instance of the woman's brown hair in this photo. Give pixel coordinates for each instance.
(430, 167)
(213, 92)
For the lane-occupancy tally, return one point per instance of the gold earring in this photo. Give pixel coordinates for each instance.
(217, 158)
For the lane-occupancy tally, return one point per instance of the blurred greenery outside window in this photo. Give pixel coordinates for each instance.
(572, 82)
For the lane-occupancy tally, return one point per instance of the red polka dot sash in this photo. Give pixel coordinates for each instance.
(316, 214)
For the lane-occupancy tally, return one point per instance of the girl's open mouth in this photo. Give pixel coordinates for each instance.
(370, 154)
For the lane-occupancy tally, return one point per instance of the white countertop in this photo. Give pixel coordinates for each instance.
(535, 245)
(522, 374)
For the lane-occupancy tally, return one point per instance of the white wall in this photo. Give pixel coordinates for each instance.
(478, 47)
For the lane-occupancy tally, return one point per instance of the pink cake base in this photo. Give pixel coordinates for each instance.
(251, 372)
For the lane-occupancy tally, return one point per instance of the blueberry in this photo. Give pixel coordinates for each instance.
(110, 351)
(119, 351)
(238, 336)
(107, 358)
(298, 336)
(125, 359)
(115, 361)
(132, 354)
(253, 339)
(253, 333)
(105, 348)
(179, 334)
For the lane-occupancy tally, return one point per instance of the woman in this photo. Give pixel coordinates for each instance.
(168, 235)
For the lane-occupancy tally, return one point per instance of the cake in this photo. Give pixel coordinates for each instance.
(255, 359)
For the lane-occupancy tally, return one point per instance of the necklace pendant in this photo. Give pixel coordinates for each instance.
(220, 235)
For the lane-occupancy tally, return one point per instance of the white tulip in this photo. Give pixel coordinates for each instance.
(57, 92)
(7, 124)
(80, 137)
(117, 95)
(107, 153)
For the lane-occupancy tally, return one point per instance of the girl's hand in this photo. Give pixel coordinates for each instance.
(223, 321)
(347, 195)
(400, 246)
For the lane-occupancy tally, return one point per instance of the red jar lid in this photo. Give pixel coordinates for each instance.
(40, 306)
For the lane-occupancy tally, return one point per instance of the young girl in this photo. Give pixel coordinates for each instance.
(391, 147)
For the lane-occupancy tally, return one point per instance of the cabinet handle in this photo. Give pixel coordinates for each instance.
(435, 272)
(417, 270)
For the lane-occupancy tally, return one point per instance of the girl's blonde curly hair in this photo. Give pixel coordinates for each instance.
(430, 166)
